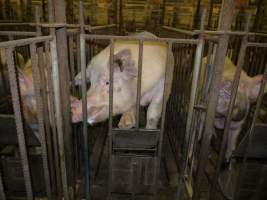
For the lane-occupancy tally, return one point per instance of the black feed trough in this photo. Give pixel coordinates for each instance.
(8, 134)
(258, 148)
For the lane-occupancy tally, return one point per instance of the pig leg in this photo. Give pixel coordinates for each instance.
(155, 106)
(128, 119)
(232, 139)
(153, 115)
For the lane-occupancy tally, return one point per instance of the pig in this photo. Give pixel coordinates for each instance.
(125, 83)
(20, 62)
(248, 91)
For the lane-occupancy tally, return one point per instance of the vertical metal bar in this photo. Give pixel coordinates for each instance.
(62, 53)
(78, 50)
(59, 120)
(139, 82)
(19, 124)
(251, 130)
(111, 60)
(2, 190)
(81, 16)
(71, 57)
(167, 86)
(43, 87)
(40, 111)
(225, 24)
(84, 108)
(37, 20)
(194, 86)
(110, 126)
(52, 117)
(234, 90)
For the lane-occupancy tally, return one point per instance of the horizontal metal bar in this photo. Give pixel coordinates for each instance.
(17, 33)
(118, 130)
(14, 24)
(187, 32)
(23, 42)
(109, 37)
(93, 28)
(133, 149)
(256, 44)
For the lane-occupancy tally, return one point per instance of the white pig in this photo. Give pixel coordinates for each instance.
(125, 83)
(247, 93)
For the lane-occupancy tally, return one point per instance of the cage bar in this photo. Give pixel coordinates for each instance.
(84, 108)
(19, 123)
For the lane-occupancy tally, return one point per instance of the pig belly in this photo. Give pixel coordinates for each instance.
(150, 94)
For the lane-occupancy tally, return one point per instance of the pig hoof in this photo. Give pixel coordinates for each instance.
(127, 120)
(152, 124)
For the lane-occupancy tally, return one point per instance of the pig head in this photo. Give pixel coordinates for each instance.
(124, 92)
(247, 93)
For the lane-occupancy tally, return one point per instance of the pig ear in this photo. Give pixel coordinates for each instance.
(255, 87)
(123, 59)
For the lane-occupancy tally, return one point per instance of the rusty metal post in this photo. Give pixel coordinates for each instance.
(19, 123)
(62, 50)
(84, 109)
(81, 16)
(59, 118)
(40, 111)
(227, 12)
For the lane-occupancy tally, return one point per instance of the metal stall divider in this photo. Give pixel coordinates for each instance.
(234, 88)
(192, 105)
(225, 23)
(18, 115)
(137, 133)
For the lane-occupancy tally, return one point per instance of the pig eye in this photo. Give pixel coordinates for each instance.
(107, 82)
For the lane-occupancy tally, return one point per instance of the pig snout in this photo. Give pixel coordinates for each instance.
(76, 109)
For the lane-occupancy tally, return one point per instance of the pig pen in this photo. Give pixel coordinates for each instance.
(135, 163)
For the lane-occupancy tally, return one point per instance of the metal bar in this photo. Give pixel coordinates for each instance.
(19, 124)
(40, 112)
(71, 59)
(14, 24)
(94, 28)
(17, 33)
(193, 96)
(59, 119)
(118, 130)
(81, 17)
(37, 20)
(191, 33)
(2, 190)
(52, 118)
(62, 50)
(105, 37)
(256, 44)
(110, 124)
(23, 42)
(43, 87)
(251, 130)
(227, 126)
(84, 108)
(139, 82)
(225, 24)
(167, 86)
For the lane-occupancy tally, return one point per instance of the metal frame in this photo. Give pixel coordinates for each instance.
(219, 37)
